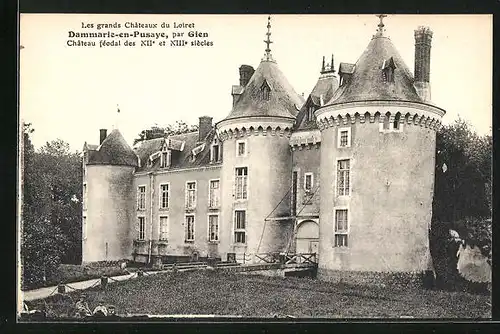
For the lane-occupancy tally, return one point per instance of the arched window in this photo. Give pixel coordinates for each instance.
(396, 121)
(386, 121)
(265, 91)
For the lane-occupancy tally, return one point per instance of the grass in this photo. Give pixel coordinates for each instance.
(260, 296)
(69, 273)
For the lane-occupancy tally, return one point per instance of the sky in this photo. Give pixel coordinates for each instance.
(72, 92)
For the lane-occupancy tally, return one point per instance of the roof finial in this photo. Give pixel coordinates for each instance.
(380, 30)
(323, 65)
(332, 66)
(268, 55)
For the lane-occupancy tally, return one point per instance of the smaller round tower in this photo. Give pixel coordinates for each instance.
(255, 177)
(108, 199)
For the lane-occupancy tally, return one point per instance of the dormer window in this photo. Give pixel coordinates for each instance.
(165, 159)
(388, 67)
(310, 113)
(265, 91)
(215, 151)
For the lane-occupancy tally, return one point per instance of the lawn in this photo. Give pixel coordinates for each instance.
(221, 293)
(69, 273)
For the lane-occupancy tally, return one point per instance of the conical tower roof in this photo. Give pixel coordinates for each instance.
(283, 100)
(114, 150)
(367, 82)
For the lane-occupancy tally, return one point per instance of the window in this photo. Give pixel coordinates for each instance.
(215, 155)
(341, 228)
(343, 177)
(165, 159)
(241, 148)
(310, 113)
(241, 183)
(141, 198)
(164, 196)
(344, 137)
(386, 125)
(189, 234)
(308, 181)
(213, 228)
(84, 201)
(213, 195)
(190, 195)
(163, 228)
(142, 228)
(294, 192)
(265, 91)
(84, 225)
(395, 124)
(240, 226)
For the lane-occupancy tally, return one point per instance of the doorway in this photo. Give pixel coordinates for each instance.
(307, 239)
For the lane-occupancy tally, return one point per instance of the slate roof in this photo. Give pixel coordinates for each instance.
(346, 68)
(114, 150)
(283, 102)
(179, 159)
(326, 85)
(367, 79)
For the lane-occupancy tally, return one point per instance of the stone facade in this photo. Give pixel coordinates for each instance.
(347, 174)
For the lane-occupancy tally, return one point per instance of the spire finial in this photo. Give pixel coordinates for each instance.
(268, 55)
(380, 30)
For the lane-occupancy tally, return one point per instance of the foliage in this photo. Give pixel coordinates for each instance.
(476, 233)
(51, 209)
(463, 187)
(462, 196)
(156, 131)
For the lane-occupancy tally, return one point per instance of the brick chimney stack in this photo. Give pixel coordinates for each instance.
(205, 126)
(246, 72)
(423, 39)
(102, 135)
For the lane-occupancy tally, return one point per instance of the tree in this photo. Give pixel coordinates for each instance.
(462, 196)
(463, 173)
(51, 218)
(156, 131)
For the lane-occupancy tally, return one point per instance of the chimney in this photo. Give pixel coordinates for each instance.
(102, 135)
(205, 126)
(246, 72)
(423, 39)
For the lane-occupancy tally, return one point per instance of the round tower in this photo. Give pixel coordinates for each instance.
(255, 176)
(108, 199)
(378, 141)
